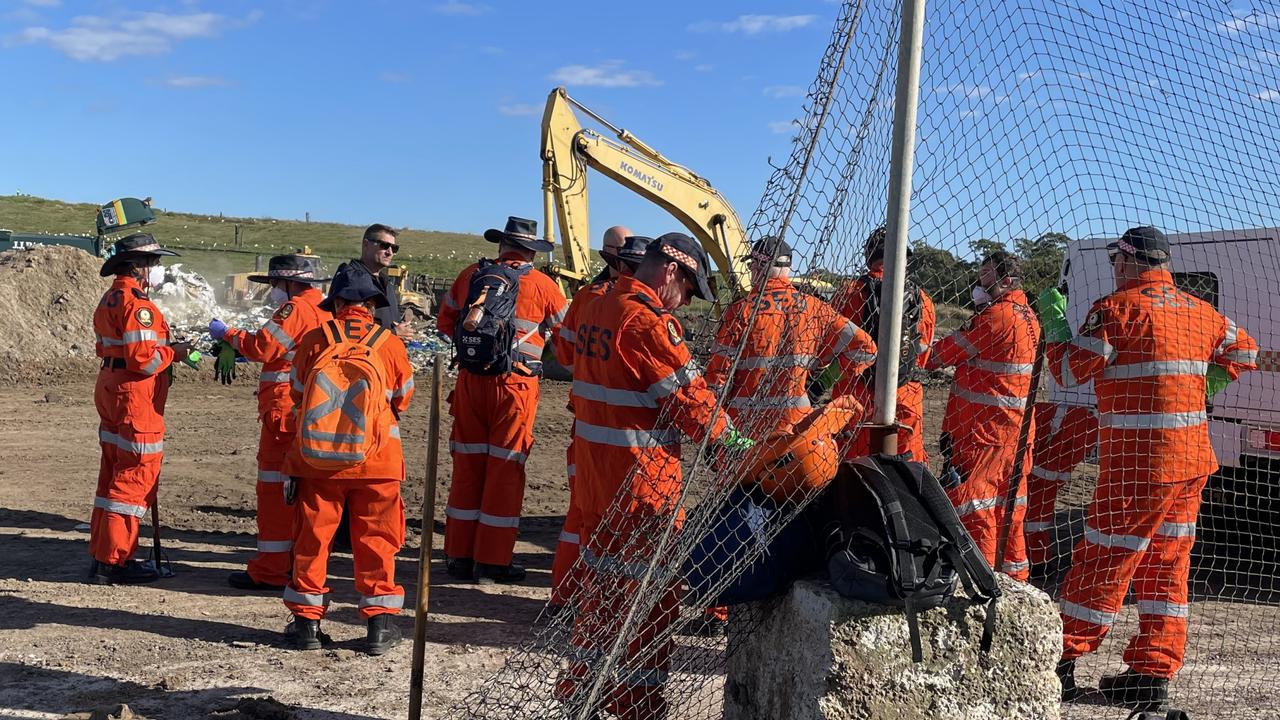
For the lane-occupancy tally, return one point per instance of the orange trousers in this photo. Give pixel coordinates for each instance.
(377, 533)
(131, 436)
(979, 501)
(1139, 532)
(1064, 434)
(275, 519)
(910, 415)
(490, 443)
(565, 577)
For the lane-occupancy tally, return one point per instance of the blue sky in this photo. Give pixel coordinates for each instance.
(418, 114)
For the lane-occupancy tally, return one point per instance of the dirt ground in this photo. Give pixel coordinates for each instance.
(189, 646)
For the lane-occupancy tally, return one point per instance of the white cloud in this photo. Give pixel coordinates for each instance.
(1253, 21)
(686, 55)
(190, 82)
(1266, 95)
(783, 127)
(704, 67)
(457, 8)
(607, 74)
(755, 24)
(92, 38)
(520, 110)
(783, 91)
(44, 3)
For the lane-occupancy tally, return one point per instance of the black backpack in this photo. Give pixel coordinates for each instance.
(893, 537)
(911, 310)
(484, 337)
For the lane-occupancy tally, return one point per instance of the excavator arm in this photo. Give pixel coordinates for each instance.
(568, 151)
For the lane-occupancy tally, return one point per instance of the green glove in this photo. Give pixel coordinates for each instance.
(193, 360)
(1052, 308)
(735, 441)
(224, 364)
(1215, 381)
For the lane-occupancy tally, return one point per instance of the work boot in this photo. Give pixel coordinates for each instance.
(132, 572)
(383, 635)
(1135, 690)
(486, 574)
(305, 634)
(1067, 677)
(459, 568)
(242, 580)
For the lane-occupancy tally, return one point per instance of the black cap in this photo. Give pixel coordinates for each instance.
(519, 231)
(1145, 243)
(873, 249)
(353, 285)
(771, 249)
(688, 254)
(138, 246)
(632, 250)
(298, 268)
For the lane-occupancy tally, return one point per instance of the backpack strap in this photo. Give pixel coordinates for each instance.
(894, 518)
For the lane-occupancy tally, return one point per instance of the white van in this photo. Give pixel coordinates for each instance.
(1236, 271)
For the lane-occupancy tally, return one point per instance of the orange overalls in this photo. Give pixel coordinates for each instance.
(1147, 348)
(1064, 435)
(564, 574)
(852, 304)
(132, 387)
(792, 333)
(493, 425)
(273, 345)
(631, 368)
(370, 491)
(993, 355)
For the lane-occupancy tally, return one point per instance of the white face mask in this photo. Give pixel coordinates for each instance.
(277, 296)
(155, 276)
(981, 296)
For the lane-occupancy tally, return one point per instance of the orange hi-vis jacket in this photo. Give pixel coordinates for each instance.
(275, 343)
(355, 322)
(566, 339)
(993, 355)
(1147, 348)
(852, 304)
(131, 329)
(540, 306)
(631, 369)
(793, 332)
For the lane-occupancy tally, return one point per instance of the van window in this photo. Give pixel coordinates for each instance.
(1203, 285)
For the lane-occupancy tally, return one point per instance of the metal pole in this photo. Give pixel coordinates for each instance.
(428, 538)
(898, 220)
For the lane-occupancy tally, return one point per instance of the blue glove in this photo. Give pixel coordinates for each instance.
(217, 329)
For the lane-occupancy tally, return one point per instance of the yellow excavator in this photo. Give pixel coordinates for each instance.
(569, 150)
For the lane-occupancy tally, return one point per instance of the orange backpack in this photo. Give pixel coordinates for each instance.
(345, 415)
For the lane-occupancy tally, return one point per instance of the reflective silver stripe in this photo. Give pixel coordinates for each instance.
(351, 457)
(1163, 608)
(530, 350)
(999, 367)
(394, 431)
(450, 302)
(1016, 566)
(1068, 377)
(609, 564)
(557, 317)
(153, 365)
(568, 335)
(1156, 368)
(844, 337)
(1059, 417)
(297, 385)
(394, 602)
(525, 326)
(1173, 529)
(775, 361)
(1095, 345)
(508, 454)
(1128, 542)
(613, 396)
(1020, 501)
(1032, 527)
(403, 389)
(343, 438)
(770, 403)
(1243, 357)
(275, 546)
(459, 514)
(134, 336)
(1080, 612)
(922, 346)
(133, 447)
(1153, 421)
(1003, 401)
(676, 380)
(965, 345)
(235, 341)
(1233, 334)
(293, 596)
(719, 349)
(120, 508)
(1050, 475)
(626, 437)
(271, 476)
(275, 376)
(274, 330)
(568, 537)
(289, 355)
(110, 341)
(859, 357)
(469, 448)
(643, 678)
(976, 505)
(499, 521)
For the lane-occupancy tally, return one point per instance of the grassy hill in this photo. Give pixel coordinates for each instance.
(207, 243)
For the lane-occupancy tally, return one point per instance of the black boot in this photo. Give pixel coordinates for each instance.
(384, 634)
(133, 572)
(305, 634)
(459, 568)
(1135, 690)
(486, 574)
(1067, 676)
(242, 580)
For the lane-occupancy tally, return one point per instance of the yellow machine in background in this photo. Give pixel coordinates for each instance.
(568, 151)
(239, 292)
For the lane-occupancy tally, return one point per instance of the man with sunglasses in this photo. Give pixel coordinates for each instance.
(378, 250)
(1155, 354)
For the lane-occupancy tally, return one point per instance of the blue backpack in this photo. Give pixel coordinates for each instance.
(484, 338)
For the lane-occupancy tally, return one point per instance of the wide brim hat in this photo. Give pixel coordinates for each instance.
(353, 285)
(519, 231)
(297, 268)
(688, 254)
(138, 246)
(632, 250)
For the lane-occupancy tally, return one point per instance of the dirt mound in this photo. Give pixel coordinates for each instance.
(118, 712)
(49, 293)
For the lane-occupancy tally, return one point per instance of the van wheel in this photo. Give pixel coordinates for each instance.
(1237, 548)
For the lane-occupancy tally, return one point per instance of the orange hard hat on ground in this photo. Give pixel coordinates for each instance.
(803, 459)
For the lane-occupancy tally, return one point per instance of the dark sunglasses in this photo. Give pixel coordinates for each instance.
(394, 248)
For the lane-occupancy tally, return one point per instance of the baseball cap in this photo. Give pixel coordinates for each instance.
(1144, 242)
(771, 248)
(688, 254)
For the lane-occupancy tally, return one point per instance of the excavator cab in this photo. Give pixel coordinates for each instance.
(124, 214)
